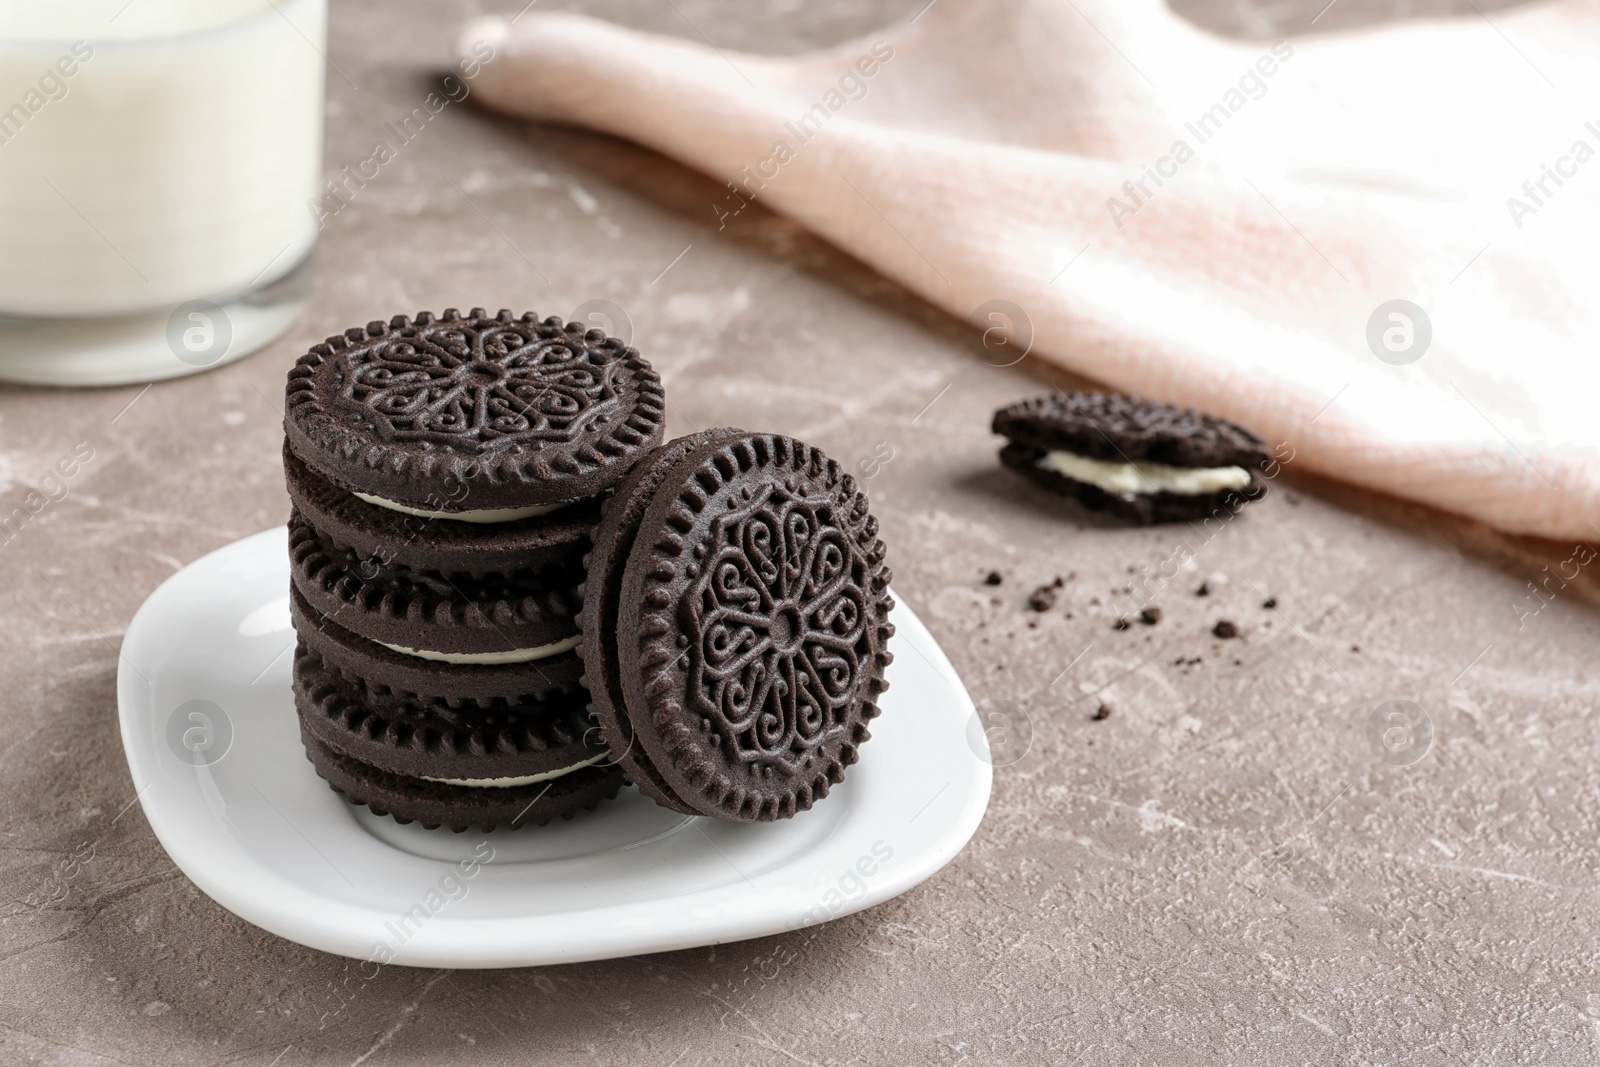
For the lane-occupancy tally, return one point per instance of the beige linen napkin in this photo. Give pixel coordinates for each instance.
(1218, 223)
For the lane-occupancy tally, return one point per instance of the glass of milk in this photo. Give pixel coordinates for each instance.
(158, 160)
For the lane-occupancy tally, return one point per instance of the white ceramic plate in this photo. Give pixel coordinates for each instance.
(208, 723)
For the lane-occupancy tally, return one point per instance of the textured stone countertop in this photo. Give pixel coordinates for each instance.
(1219, 870)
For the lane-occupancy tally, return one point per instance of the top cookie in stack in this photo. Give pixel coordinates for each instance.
(446, 474)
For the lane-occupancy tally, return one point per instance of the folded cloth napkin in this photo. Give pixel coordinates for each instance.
(1217, 223)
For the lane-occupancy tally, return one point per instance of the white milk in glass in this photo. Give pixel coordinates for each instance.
(153, 153)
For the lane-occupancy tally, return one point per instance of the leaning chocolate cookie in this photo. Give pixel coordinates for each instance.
(476, 418)
(735, 624)
(1141, 461)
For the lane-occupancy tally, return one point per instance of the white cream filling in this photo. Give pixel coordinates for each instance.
(515, 655)
(484, 515)
(526, 779)
(1128, 478)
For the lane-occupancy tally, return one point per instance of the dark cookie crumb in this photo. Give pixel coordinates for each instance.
(1355, 648)
(993, 578)
(1102, 713)
(1181, 662)
(1225, 630)
(1150, 616)
(1270, 603)
(1044, 597)
(1204, 590)
(1121, 624)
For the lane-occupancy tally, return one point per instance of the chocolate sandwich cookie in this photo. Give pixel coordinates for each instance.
(379, 535)
(1141, 461)
(735, 625)
(435, 804)
(385, 670)
(514, 742)
(477, 418)
(616, 535)
(456, 617)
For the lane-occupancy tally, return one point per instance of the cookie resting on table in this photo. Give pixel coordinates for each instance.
(1141, 461)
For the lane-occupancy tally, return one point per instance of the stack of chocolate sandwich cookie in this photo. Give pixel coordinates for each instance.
(446, 475)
